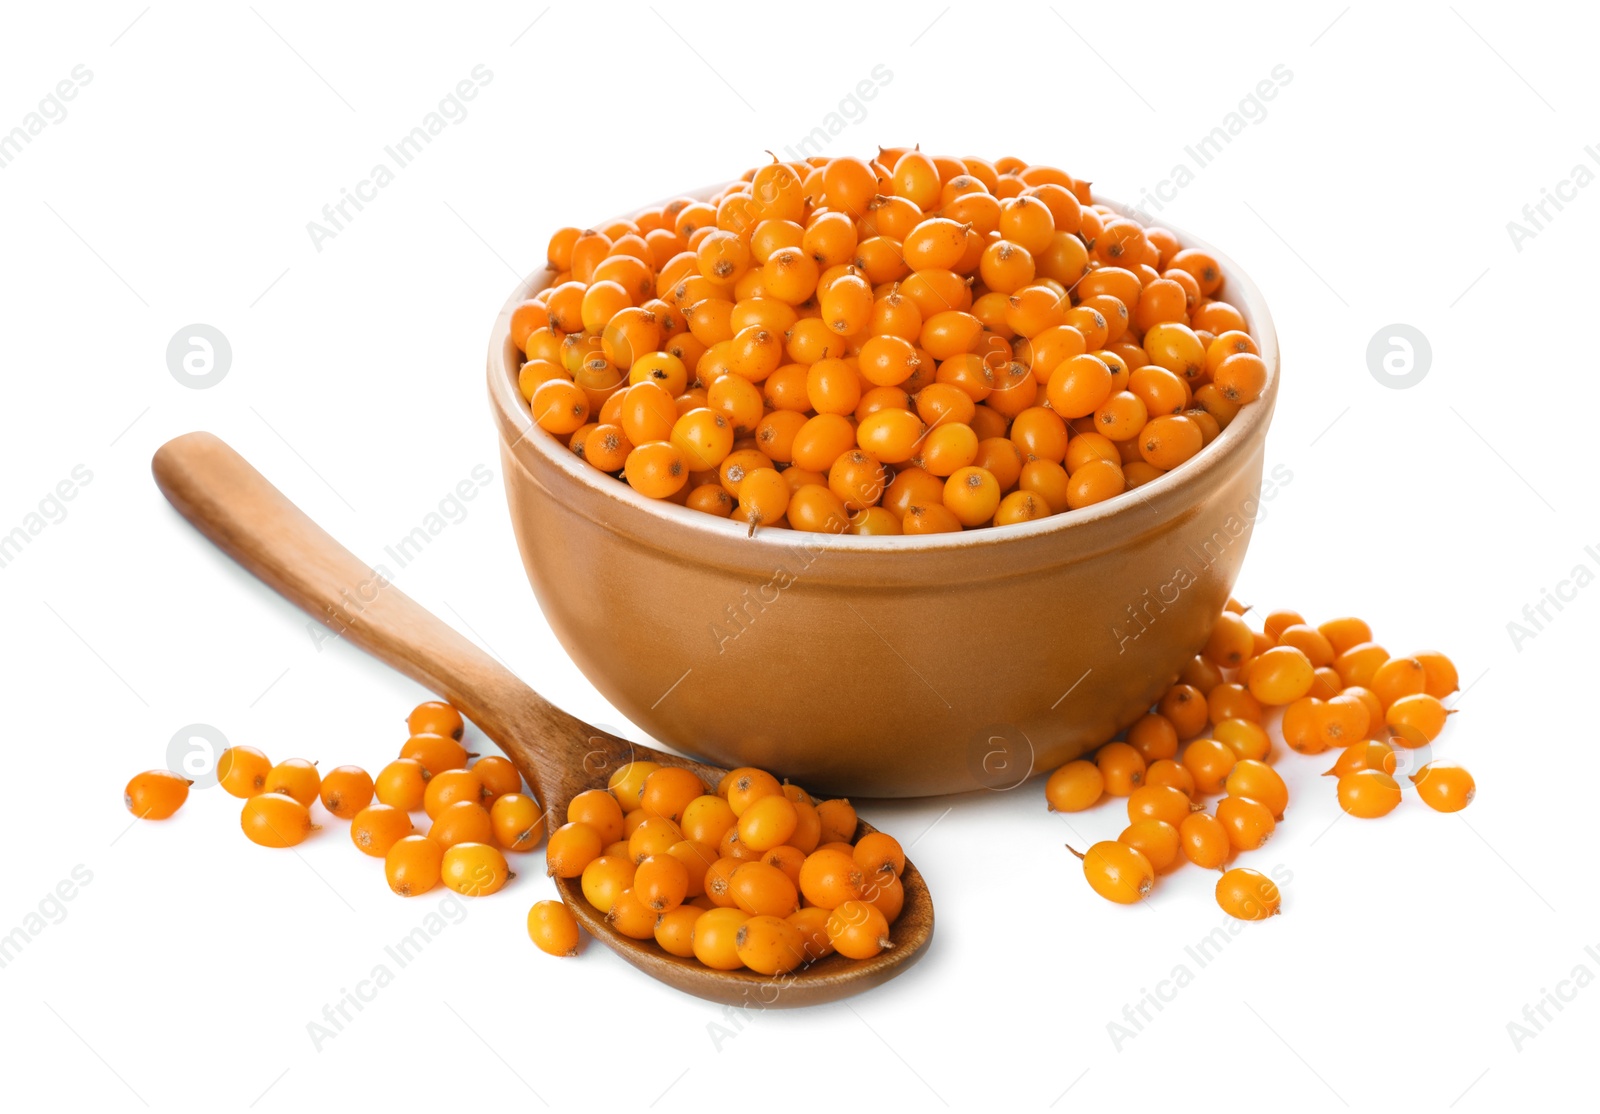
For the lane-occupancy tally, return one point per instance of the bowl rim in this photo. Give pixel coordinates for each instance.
(517, 431)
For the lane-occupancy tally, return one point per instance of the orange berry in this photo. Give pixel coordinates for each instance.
(346, 791)
(1444, 786)
(553, 928)
(156, 794)
(274, 820)
(1248, 895)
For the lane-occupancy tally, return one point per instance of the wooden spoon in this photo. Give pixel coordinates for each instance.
(560, 756)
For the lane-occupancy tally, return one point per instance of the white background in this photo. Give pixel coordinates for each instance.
(177, 189)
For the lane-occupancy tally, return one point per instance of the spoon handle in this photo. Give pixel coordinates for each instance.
(253, 522)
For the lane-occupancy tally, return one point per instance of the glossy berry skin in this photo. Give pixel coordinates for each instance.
(1248, 895)
(553, 928)
(1118, 872)
(1444, 786)
(156, 794)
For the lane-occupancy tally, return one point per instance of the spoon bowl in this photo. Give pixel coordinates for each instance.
(558, 754)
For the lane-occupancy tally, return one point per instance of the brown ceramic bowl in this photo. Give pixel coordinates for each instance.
(882, 666)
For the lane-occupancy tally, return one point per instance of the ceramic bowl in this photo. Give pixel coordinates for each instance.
(882, 666)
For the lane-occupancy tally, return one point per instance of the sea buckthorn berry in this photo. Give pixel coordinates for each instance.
(1444, 786)
(553, 928)
(812, 922)
(1248, 894)
(1368, 793)
(1248, 823)
(1231, 700)
(156, 794)
(1156, 840)
(1210, 762)
(474, 869)
(435, 717)
(274, 820)
(1301, 726)
(697, 859)
(571, 848)
(1258, 781)
(446, 788)
(627, 783)
(1308, 640)
(295, 778)
(518, 822)
(1398, 677)
(1417, 715)
(435, 753)
(858, 930)
(462, 822)
(1281, 675)
(1204, 840)
(379, 827)
(762, 889)
(1241, 377)
(674, 930)
(838, 819)
(808, 286)
(1184, 706)
(346, 791)
(746, 785)
(878, 854)
(1199, 673)
(668, 791)
(402, 784)
(1154, 737)
(715, 938)
(654, 835)
(1341, 720)
(411, 866)
(769, 945)
(1247, 739)
(1231, 642)
(718, 881)
(706, 819)
(1159, 802)
(1165, 771)
(1342, 634)
(1117, 872)
(242, 771)
(1074, 787)
(661, 882)
(828, 878)
(499, 777)
(1439, 673)
(768, 823)
(972, 495)
(1121, 767)
(1368, 755)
